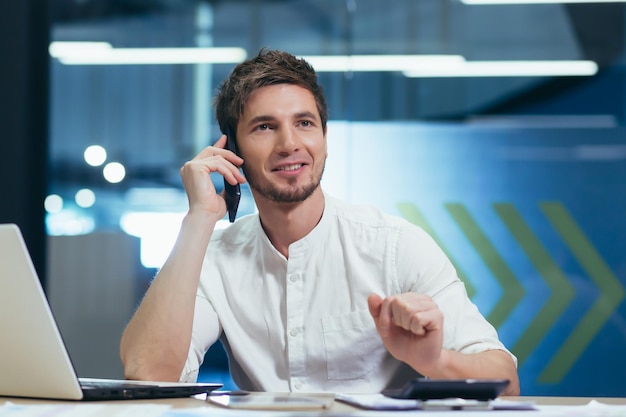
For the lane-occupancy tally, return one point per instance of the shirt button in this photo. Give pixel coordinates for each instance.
(297, 385)
(293, 332)
(293, 277)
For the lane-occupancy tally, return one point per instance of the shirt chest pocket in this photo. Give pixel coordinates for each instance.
(353, 347)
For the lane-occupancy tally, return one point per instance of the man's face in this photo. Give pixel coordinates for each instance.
(281, 139)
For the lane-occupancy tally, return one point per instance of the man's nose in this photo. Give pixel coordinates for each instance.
(287, 140)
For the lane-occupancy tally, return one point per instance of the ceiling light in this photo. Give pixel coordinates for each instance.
(61, 49)
(360, 63)
(102, 53)
(508, 69)
(479, 2)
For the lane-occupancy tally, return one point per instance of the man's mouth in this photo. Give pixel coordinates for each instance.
(292, 167)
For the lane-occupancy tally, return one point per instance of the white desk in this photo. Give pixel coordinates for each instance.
(204, 408)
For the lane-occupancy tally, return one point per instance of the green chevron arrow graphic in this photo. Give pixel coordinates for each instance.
(513, 292)
(612, 293)
(412, 214)
(562, 292)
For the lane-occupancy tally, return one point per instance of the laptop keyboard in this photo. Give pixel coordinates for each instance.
(109, 384)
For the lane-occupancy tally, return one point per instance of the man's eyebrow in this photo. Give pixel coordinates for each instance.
(259, 119)
(268, 118)
(305, 114)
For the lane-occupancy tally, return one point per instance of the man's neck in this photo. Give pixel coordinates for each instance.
(288, 223)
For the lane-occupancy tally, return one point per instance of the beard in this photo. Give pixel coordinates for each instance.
(291, 194)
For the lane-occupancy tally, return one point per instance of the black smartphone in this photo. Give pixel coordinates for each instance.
(232, 193)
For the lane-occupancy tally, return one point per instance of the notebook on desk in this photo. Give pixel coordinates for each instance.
(34, 361)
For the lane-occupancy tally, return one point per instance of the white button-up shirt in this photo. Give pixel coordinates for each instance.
(302, 323)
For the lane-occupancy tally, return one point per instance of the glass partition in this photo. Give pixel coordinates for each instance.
(496, 127)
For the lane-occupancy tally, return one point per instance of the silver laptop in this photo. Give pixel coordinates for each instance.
(34, 361)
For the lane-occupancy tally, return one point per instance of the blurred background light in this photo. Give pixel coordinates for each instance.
(114, 172)
(85, 198)
(53, 203)
(481, 2)
(508, 69)
(102, 53)
(95, 155)
(69, 222)
(157, 232)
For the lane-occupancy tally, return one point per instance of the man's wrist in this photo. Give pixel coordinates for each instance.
(200, 219)
(441, 368)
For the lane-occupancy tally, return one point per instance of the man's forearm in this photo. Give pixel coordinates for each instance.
(155, 343)
(489, 364)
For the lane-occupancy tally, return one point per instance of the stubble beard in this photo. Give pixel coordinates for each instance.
(287, 195)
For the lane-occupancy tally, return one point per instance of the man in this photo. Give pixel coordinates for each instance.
(311, 294)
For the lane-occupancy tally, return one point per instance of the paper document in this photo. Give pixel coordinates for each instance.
(382, 402)
(377, 402)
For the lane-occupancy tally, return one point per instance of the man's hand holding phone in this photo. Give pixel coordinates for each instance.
(196, 177)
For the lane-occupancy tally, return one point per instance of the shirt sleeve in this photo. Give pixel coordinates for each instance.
(424, 268)
(205, 332)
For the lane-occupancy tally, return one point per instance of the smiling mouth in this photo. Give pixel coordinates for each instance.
(292, 167)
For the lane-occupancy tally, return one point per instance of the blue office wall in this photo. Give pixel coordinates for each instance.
(533, 218)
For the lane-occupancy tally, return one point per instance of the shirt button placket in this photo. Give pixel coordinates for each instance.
(295, 321)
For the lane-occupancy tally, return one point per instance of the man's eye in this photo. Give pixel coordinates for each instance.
(305, 123)
(263, 127)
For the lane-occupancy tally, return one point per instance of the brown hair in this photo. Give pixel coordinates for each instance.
(269, 67)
